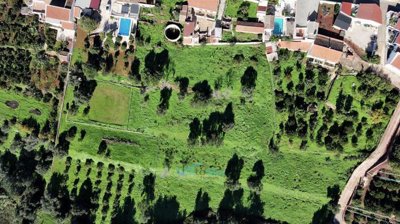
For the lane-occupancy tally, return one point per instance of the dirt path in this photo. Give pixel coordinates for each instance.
(362, 169)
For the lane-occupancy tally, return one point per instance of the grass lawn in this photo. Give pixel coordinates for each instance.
(25, 107)
(110, 104)
(233, 6)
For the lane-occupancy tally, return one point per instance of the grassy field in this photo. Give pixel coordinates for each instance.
(25, 108)
(296, 180)
(110, 104)
(233, 7)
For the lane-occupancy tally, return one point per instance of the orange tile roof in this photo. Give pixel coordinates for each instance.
(370, 11)
(346, 8)
(398, 24)
(210, 5)
(396, 61)
(250, 27)
(58, 13)
(68, 25)
(295, 45)
(77, 12)
(398, 40)
(325, 53)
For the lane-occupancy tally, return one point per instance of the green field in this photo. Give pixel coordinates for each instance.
(25, 108)
(110, 104)
(233, 7)
(141, 139)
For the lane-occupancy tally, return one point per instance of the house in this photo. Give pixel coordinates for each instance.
(204, 8)
(326, 19)
(305, 19)
(250, 27)
(324, 56)
(369, 14)
(269, 24)
(271, 51)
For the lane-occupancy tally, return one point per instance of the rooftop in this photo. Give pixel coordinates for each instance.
(295, 45)
(57, 13)
(343, 21)
(209, 5)
(306, 10)
(346, 8)
(326, 54)
(370, 11)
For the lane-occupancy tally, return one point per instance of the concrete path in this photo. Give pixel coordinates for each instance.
(221, 9)
(362, 169)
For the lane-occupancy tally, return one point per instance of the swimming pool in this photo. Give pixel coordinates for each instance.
(124, 27)
(278, 26)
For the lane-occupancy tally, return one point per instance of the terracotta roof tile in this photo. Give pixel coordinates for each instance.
(398, 24)
(261, 8)
(58, 13)
(210, 5)
(295, 45)
(325, 53)
(396, 61)
(346, 8)
(370, 11)
(68, 25)
(77, 12)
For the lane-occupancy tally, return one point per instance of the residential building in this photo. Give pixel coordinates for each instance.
(305, 19)
(369, 14)
(204, 8)
(324, 56)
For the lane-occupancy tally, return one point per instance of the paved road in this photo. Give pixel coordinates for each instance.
(361, 170)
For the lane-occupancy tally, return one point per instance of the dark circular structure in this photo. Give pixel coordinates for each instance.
(172, 32)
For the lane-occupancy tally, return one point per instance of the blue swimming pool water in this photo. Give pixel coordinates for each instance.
(124, 27)
(278, 26)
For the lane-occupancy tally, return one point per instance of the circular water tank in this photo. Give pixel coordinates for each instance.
(172, 32)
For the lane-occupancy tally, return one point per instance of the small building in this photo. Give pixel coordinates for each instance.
(250, 27)
(271, 51)
(324, 56)
(369, 14)
(204, 8)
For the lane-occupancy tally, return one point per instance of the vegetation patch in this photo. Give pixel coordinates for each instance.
(110, 104)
